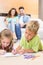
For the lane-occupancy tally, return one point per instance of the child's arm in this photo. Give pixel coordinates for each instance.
(2, 52)
(16, 50)
(29, 51)
(22, 51)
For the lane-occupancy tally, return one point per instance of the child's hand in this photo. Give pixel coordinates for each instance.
(22, 51)
(14, 52)
(2, 52)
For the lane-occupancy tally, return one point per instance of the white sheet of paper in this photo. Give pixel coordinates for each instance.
(10, 55)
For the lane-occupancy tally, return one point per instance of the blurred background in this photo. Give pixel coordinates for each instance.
(31, 6)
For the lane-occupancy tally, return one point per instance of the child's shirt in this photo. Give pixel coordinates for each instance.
(34, 44)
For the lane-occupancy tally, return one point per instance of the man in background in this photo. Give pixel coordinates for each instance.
(23, 17)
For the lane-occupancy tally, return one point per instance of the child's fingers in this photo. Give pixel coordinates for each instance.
(2, 52)
(21, 52)
(14, 52)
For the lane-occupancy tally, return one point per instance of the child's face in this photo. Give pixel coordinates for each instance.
(29, 34)
(5, 41)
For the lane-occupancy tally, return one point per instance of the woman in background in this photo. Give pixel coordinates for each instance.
(11, 20)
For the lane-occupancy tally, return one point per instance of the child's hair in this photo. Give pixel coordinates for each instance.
(33, 26)
(7, 33)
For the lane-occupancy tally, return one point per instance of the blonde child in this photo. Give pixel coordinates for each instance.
(30, 41)
(6, 44)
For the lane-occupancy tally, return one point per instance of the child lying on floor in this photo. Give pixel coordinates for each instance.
(30, 41)
(6, 38)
